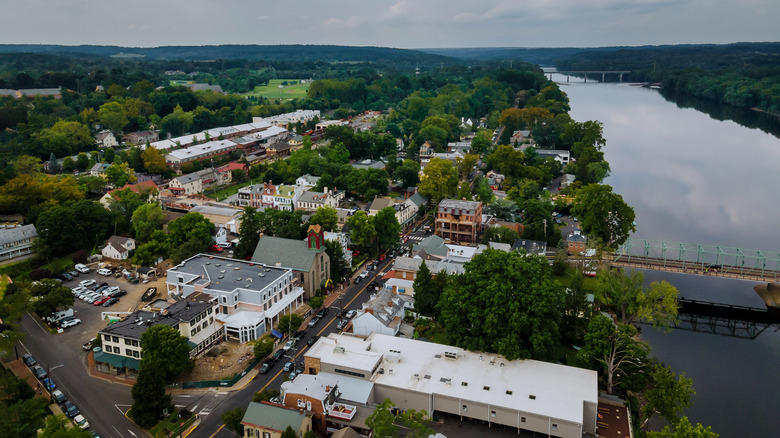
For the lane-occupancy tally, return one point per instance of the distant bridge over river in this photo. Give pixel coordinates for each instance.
(585, 73)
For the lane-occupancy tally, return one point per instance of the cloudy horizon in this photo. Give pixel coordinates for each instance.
(392, 23)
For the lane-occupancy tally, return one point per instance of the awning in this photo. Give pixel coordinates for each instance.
(277, 333)
(117, 361)
(175, 189)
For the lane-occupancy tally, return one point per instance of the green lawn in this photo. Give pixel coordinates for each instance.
(224, 192)
(272, 90)
(170, 425)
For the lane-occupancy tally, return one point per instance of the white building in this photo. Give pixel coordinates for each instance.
(313, 200)
(17, 241)
(105, 139)
(283, 120)
(118, 247)
(560, 156)
(343, 239)
(250, 296)
(199, 152)
(527, 394)
(307, 181)
(383, 313)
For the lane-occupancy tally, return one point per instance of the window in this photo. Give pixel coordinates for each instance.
(135, 353)
(465, 408)
(266, 435)
(522, 419)
(135, 343)
(301, 403)
(127, 341)
(493, 414)
(128, 352)
(554, 426)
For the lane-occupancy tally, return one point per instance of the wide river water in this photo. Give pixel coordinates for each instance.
(694, 179)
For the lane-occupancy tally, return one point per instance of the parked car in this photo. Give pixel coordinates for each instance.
(81, 421)
(39, 372)
(215, 248)
(358, 279)
(101, 300)
(98, 286)
(292, 375)
(277, 355)
(289, 344)
(265, 367)
(364, 274)
(314, 321)
(119, 293)
(225, 245)
(29, 360)
(88, 345)
(322, 312)
(392, 254)
(81, 268)
(339, 312)
(381, 257)
(104, 271)
(351, 314)
(110, 302)
(58, 397)
(312, 340)
(70, 323)
(87, 283)
(74, 274)
(70, 409)
(78, 289)
(288, 367)
(341, 324)
(49, 384)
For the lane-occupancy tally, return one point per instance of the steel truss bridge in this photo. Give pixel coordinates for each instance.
(695, 258)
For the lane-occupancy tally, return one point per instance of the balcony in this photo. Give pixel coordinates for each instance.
(342, 410)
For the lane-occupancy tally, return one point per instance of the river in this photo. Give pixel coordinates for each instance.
(694, 178)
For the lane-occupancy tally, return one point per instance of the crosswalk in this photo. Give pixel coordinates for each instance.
(416, 238)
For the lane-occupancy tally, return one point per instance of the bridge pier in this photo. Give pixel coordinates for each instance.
(567, 78)
(586, 78)
(621, 77)
(603, 75)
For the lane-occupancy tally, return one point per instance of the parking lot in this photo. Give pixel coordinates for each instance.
(90, 315)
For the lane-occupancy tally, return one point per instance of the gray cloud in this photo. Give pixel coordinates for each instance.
(394, 23)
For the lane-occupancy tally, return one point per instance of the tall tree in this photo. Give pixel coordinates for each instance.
(232, 420)
(439, 180)
(387, 228)
(504, 303)
(191, 226)
(166, 350)
(656, 304)
(326, 217)
(338, 266)
(146, 220)
(425, 298)
(684, 429)
(604, 214)
(408, 173)
(154, 161)
(613, 349)
(668, 396)
(248, 233)
(149, 396)
(362, 233)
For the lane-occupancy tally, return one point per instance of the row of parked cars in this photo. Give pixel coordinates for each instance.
(98, 294)
(68, 408)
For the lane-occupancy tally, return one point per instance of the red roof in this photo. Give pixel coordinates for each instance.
(232, 166)
(149, 184)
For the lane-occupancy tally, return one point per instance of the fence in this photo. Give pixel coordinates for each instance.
(221, 383)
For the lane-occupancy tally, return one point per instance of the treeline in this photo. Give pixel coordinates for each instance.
(744, 75)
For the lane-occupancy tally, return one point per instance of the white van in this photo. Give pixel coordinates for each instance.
(59, 316)
(104, 271)
(82, 268)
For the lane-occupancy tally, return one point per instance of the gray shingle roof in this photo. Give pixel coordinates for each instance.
(132, 326)
(15, 234)
(288, 253)
(270, 416)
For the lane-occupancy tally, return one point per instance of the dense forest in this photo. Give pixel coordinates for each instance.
(745, 75)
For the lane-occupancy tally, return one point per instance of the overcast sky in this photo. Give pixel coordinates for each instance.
(389, 23)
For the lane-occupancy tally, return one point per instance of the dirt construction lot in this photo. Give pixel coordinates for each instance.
(221, 362)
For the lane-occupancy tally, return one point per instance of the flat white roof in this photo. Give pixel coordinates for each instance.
(559, 391)
(201, 149)
(355, 355)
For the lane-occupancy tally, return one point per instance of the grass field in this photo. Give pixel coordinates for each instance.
(272, 90)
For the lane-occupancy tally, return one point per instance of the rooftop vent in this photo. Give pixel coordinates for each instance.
(339, 349)
(427, 376)
(446, 380)
(450, 355)
(508, 392)
(236, 268)
(464, 383)
(208, 263)
(486, 388)
(532, 397)
(437, 356)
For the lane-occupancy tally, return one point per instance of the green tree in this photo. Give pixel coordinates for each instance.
(22, 418)
(483, 190)
(57, 426)
(166, 350)
(265, 395)
(612, 349)
(120, 174)
(109, 155)
(149, 396)
(68, 164)
(190, 227)
(289, 323)
(326, 217)
(500, 235)
(362, 232)
(481, 142)
(387, 228)
(154, 161)
(464, 191)
(439, 180)
(289, 433)
(604, 214)
(466, 164)
(408, 173)
(146, 220)
(232, 420)
(684, 429)
(263, 347)
(248, 233)
(65, 138)
(667, 396)
(504, 303)
(381, 420)
(82, 161)
(112, 116)
(51, 297)
(656, 304)
(426, 296)
(338, 266)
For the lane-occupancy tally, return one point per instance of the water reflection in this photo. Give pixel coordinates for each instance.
(689, 177)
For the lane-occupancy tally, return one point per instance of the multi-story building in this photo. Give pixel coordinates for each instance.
(226, 217)
(316, 394)
(459, 221)
(199, 152)
(197, 182)
(535, 396)
(268, 195)
(194, 319)
(268, 420)
(308, 260)
(311, 201)
(575, 243)
(17, 241)
(283, 120)
(249, 296)
(142, 137)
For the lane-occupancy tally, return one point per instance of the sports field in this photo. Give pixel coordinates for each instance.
(272, 90)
